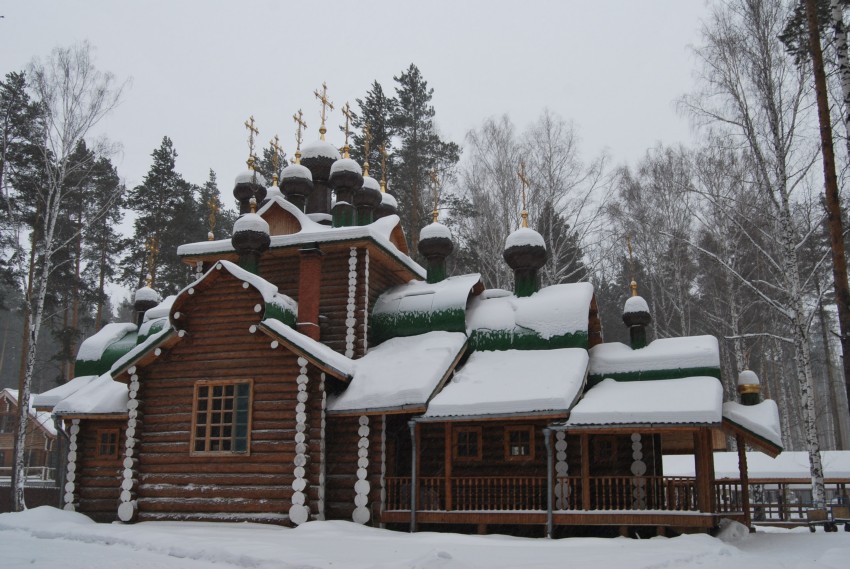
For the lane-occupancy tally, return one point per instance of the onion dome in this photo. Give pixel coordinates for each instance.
(250, 239)
(636, 312)
(249, 184)
(388, 206)
(318, 157)
(144, 299)
(435, 244)
(346, 177)
(525, 253)
(367, 200)
(297, 183)
(749, 387)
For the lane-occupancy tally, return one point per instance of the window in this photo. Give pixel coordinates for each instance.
(222, 417)
(107, 444)
(604, 450)
(519, 443)
(467, 443)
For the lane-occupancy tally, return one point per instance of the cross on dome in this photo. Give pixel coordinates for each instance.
(524, 184)
(346, 112)
(252, 131)
(299, 136)
(326, 104)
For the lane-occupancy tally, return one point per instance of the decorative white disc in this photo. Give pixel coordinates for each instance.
(299, 484)
(126, 511)
(363, 431)
(361, 500)
(298, 498)
(360, 515)
(362, 487)
(298, 514)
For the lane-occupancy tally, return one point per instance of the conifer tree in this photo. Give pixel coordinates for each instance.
(209, 200)
(377, 111)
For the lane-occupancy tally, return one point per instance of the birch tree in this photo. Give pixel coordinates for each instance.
(74, 96)
(753, 92)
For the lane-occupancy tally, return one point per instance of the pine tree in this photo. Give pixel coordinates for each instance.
(208, 195)
(377, 111)
(421, 149)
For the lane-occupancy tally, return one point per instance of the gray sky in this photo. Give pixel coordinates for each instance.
(199, 69)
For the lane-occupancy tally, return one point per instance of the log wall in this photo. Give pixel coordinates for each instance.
(98, 482)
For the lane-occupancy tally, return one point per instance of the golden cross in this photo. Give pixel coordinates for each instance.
(346, 112)
(213, 205)
(524, 181)
(299, 120)
(275, 144)
(367, 141)
(153, 249)
(252, 130)
(383, 150)
(436, 185)
(326, 103)
(633, 284)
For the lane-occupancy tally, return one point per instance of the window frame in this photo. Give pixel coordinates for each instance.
(529, 429)
(479, 433)
(212, 383)
(98, 441)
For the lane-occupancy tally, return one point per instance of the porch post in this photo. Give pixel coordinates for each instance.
(448, 468)
(547, 438)
(744, 475)
(412, 426)
(704, 469)
(585, 472)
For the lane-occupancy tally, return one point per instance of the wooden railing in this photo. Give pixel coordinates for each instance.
(33, 473)
(670, 493)
(499, 493)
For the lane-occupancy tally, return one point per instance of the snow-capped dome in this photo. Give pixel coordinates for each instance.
(371, 183)
(320, 149)
(296, 171)
(147, 294)
(273, 191)
(251, 222)
(388, 200)
(635, 304)
(346, 165)
(748, 377)
(251, 177)
(524, 236)
(435, 230)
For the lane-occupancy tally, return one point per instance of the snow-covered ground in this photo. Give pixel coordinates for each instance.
(47, 537)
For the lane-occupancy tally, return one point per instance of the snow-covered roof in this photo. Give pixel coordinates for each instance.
(322, 355)
(146, 293)
(102, 395)
(788, 465)
(512, 382)
(346, 165)
(635, 304)
(251, 222)
(401, 372)
(93, 347)
(320, 148)
(41, 417)
(435, 230)
(761, 419)
(524, 236)
(748, 377)
(380, 231)
(675, 357)
(389, 199)
(250, 177)
(555, 316)
(371, 183)
(149, 343)
(274, 192)
(161, 310)
(686, 400)
(50, 398)
(296, 171)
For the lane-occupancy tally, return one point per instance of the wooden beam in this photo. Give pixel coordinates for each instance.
(744, 475)
(448, 467)
(585, 472)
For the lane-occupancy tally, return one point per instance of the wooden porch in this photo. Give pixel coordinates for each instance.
(603, 500)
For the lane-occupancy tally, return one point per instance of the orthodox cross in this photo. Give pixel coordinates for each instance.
(152, 247)
(213, 204)
(435, 184)
(346, 112)
(276, 151)
(633, 283)
(383, 150)
(367, 141)
(326, 103)
(299, 120)
(524, 183)
(252, 131)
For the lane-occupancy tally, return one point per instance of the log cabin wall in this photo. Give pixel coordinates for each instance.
(257, 485)
(611, 455)
(97, 479)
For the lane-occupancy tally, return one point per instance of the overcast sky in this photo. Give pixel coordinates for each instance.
(200, 68)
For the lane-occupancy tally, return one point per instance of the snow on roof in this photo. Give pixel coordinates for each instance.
(524, 236)
(761, 419)
(435, 229)
(347, 165)
(274, 192)
(400, 372)
(788, 465)
(635, 304)
(251, 177)
(161, 310)
(748, 377)
(43, 418)
(100, 396)
(662, 354)
(296, 171)
(371, 183)
(140, 349)
(379, 231)
(53, 396)
(513, 382)
(343, 365)
(93, 347)
(388, 199)
(320, 148)
(146, 293)
(421, 296)
(251, 222)
(685, 400)
(552, 311)
(268, 291)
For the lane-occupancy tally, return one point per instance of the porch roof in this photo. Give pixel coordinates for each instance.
(760, 420)
(682, 401)
(512, 382)
(100, 396)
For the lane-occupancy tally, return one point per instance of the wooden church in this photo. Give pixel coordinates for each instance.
(314, 370)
